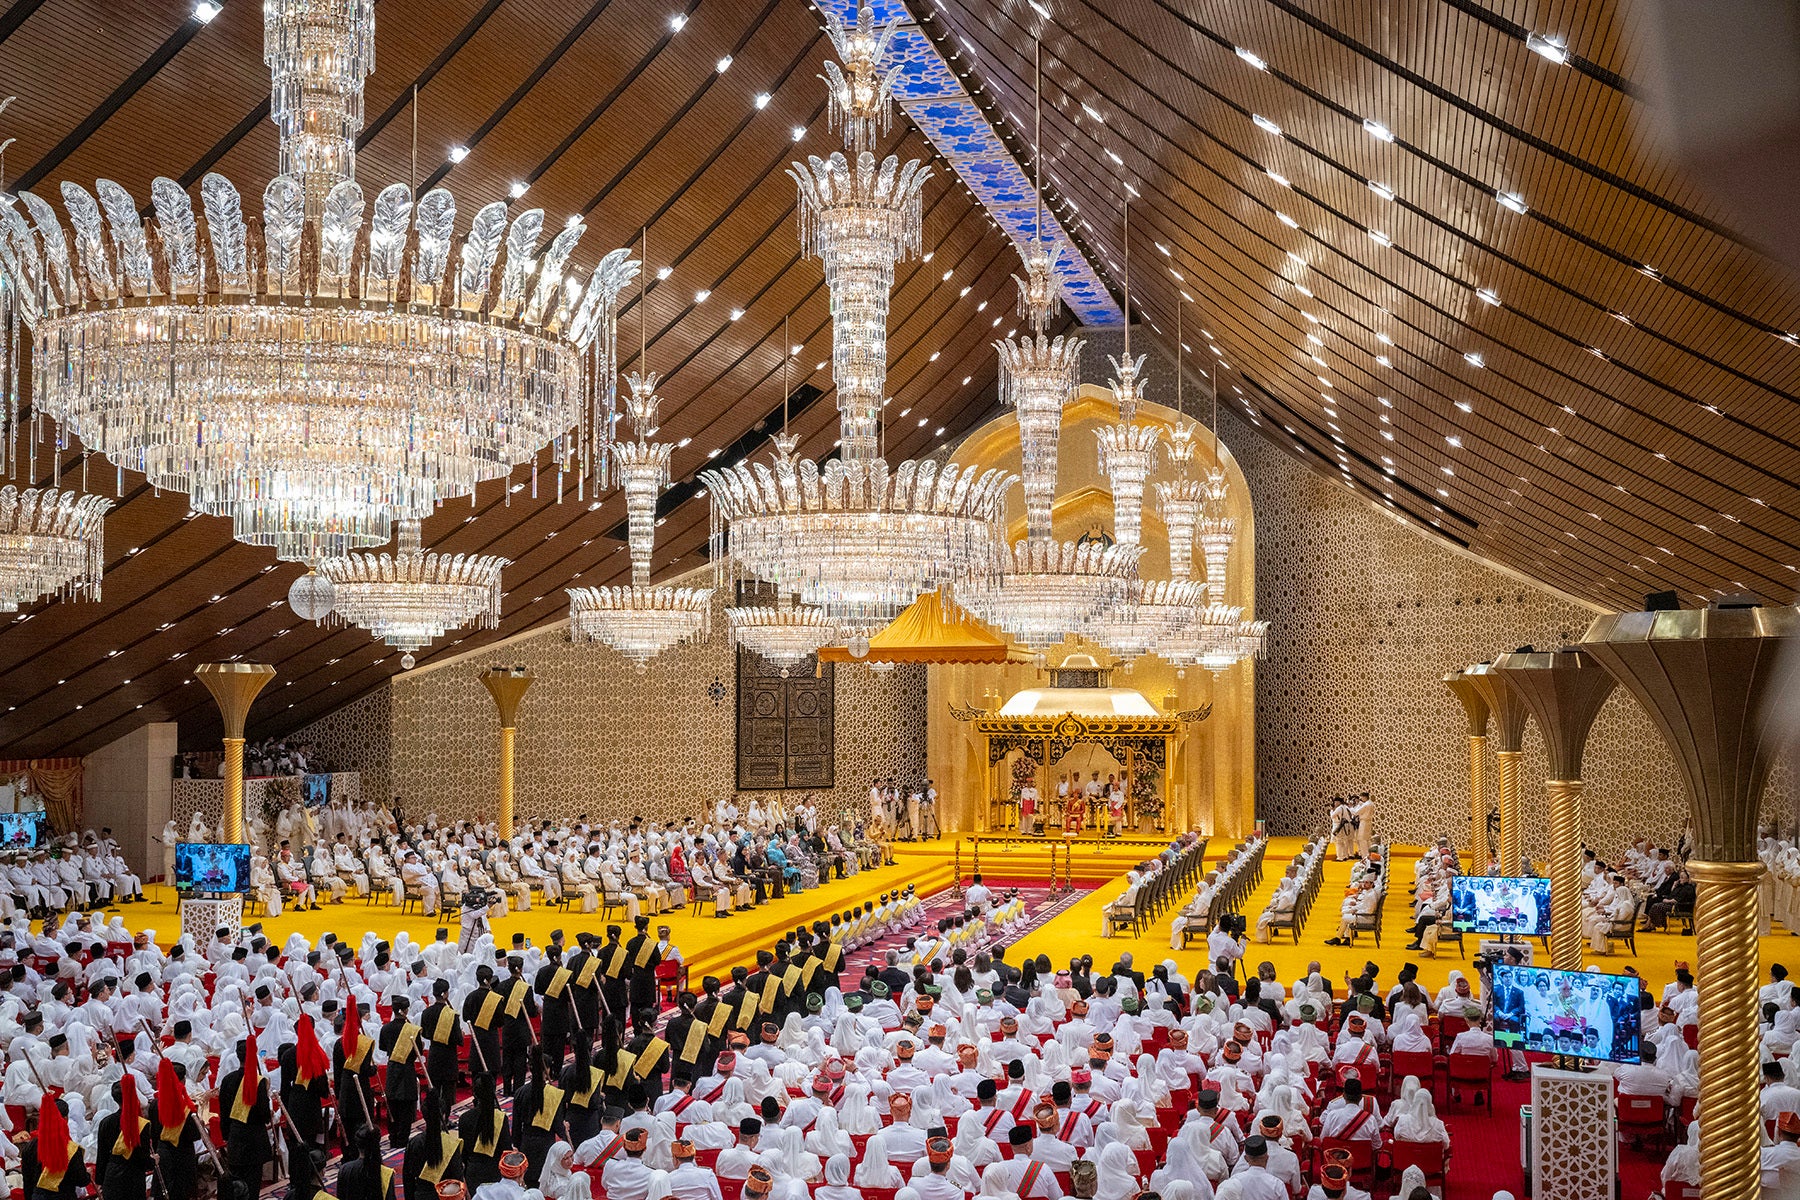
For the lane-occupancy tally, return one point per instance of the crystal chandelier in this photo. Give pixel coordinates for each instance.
(853, 538)
(323, 369)
(783, 633)
(410, 598)
(1181, 500)
(640, 620)
(1050, 590)
(51, 542)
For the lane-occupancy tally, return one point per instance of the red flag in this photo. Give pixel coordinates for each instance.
(310, 1059)
(130, 1109)
(53, 1137)
(252, 1068)
(352, 1037)
(172, 1102)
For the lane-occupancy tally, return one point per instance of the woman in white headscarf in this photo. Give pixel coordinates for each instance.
(1683, 1163)
(1407, 1034)
(559, 1180)
(1185, 1163)
(1282, 1102)
(846, 1036)
(947, 1100)
(1412, 1185)
(994, 1185)
(972, 1146)
(733, 1105)
(856, 1112)
(792, 1036)
(1126, 1126)
(1420, 1122)
(800, 1163)
(837, 1180)
(659, 1186)
(1118, 1171)
(1151, 1088)
(659, 1150)
(875, 1171)
(825, 1138)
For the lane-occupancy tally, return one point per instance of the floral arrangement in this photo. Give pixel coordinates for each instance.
(1024, 771)
(1146, 794)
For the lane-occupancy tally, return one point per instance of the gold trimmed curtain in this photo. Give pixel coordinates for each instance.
(58, 781)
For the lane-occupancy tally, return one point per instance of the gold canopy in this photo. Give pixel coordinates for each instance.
(929, 631)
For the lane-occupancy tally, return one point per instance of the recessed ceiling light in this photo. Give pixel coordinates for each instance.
(1089, 110)
(1267, 126)
(723, 65)
(1454, 441)
(1112, 154)
(676, 22)
(737, 314)
(1488, 295)
(1377, 130)
(799, 132)
(1384, 360)
(934, 356)
(1380, 238)
(1512, 201)
(206, 10)
(1474, 359)
(966, 379)
(701, 296)
(519, 188)
(1168, 254)
(1553, 48)
(762, 99)
(1279, 178)
(1287, 220)
(1381, 189)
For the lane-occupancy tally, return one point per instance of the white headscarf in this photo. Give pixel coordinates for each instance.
(826, 1139)
(1118, 1171)
(558, 1181)
(856, 1112)
(875, 1170)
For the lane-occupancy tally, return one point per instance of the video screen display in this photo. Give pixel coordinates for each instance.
(23, 831)
(205, 867)
(315, 790)
(1520, 907)
(1567, 1012)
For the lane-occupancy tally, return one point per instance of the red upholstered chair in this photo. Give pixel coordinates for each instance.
(733, 1189)
(1402, 1063)
(1473, 1070)
(1691, 1035)
(671, 981)
(706, 1158)
(1681, 1191)
(858, 1141)
(1449, 1027)
(1427, 1156)
(1146, 1161)
(1642, 1117)
(870, 1193)
(1362, 1157)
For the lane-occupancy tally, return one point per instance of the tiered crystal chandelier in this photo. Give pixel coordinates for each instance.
(639, 620)
(317, 372)
(1050, 590)
(852, 538)
(410, 598)
(51, 543)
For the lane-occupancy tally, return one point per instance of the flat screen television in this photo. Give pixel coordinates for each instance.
(23, 830)
(1579, 1013)
(315, 790)
(1484, 904)
(210, 868)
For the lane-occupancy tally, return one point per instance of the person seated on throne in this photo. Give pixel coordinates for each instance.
(1074, 798)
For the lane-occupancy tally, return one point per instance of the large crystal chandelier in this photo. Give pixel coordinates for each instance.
(639, 620)
(51, 542)
(853, 538)
(1050, 590)
(325, 368)
(410, 598)
(783, 633)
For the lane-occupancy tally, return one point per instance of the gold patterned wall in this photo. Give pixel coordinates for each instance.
(598, 738)
(1368, 614)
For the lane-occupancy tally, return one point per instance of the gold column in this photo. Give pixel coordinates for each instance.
(1506, 798)
(1565, 691)
(234, 687)
(507, 686)
(1475, 708)
(1565, 873)
(1719, 684)
(1510, 715)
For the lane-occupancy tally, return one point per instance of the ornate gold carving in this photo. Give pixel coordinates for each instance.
(1730, 1119)
(1506, 766)
(1565, 873)
(971, 713)
(1505, 705)
(1193, 716)
(1478, 840)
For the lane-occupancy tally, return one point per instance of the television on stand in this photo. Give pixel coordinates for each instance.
(210, 869)
(1502, 906)
(1579, 1013)
(24, 830)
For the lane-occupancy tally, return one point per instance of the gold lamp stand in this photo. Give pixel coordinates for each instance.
(234, 686)
(1564, 691)
(1510, 715)
(1476, 710)
(507, 685)
(1718, 683)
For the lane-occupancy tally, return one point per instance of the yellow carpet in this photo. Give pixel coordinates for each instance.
(1078, 931)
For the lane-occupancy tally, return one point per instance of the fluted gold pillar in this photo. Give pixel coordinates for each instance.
(1565, 873)
(234, 687)
(1720, 685)
(1730, 1070)
(1506, 797)
(507, 686)
(1475, 708)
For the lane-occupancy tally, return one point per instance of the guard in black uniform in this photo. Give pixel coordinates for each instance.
(650, 1054)
(353, 1071)
(517, 1009)
(486, 1133)
(481, 1016)
(399, 1040)
(556, 1001)
(615, 987)
(717, 1024)
(686, 1035)
(584, 1095)
(443, 1034)
(538, 1118)
(584, 972)
(644, 955)
(124, 1170)
(244, 1117)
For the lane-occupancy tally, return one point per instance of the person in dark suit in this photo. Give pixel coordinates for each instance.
(556, 1001)
(1509, 1006)
(643, 956)
(364, 1177)
(246, 1140)
(584, 974)
(615, 986)
(518, 1005)
(443, 1034)
(124, 1170)
(399, 1040)
(892, 975)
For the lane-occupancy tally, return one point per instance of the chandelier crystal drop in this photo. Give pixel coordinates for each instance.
(1210, 635)
(51, 543)
(1127, 456)
(1162, 609)
(1180, 501)
(312, 365)
(783, 633)
(854, 538)
(410, 598)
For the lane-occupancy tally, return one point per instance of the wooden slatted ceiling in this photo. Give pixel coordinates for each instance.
(627, 122)
(1554, 432)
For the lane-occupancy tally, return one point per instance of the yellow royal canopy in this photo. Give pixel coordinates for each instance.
(929, 631)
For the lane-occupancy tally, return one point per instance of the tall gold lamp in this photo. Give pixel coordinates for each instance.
(1476, 710)
(234, 686)
(507, 686)
(1721, 686)
(1510, 715)
(1564, 690)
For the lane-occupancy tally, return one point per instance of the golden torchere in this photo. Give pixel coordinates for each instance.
(1506, 767)
(1730, 1118)
(1565, 873)
(1478, 843)
(234, 686)
(507, 686)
